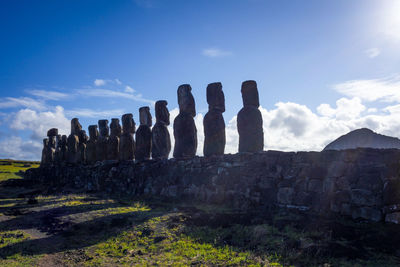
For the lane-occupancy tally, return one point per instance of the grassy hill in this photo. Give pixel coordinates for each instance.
(39, 227)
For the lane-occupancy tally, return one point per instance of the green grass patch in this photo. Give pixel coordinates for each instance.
(9, 169)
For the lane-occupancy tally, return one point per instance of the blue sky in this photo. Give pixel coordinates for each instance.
(323, 68)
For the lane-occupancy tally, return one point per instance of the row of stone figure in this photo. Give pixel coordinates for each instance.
(116, 143)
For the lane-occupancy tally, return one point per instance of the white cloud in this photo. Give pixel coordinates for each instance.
(389, 21)
(215, 52)
(99, 82)
(48, 95)
(40, 122)
(387, 89)
(129, 89)
(372, 52)
(346, 109)
(14, 147)
(89, 113)
(12, 102)
(111, 93)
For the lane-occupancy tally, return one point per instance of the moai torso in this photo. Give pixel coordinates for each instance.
(127, 143)
(113, 141)
(102, 142)
(64, 148)
(143, 135)
(58, 155)
(44, 160)
(82, 147)
(214, 124)
(249, 120)
(185, 131)
(51, 147)
(91, 144)
(160, 138)
(73, 154)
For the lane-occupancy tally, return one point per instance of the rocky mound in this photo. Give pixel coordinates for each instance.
(363, 138)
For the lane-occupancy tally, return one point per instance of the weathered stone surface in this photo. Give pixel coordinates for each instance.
(91, 156)
(76, 127)
(52, 132)
(391, 192)
(64, 148)
(143, 135)
(160, 138)
(214, 124)
(185, 131)
(44, 159)
(73, 154)
(249, 120)
(114, 140)
(127, 143)
(83, 138)
(393, 217)
(243, 180)
(102, 142)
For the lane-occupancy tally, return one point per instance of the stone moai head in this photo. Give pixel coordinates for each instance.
(76, 127)
(52, 132)
(128, 124)
(115, 127)
(215, 97)
(93, 133)
(162, 113)
(250, 94)
(103, 126)
(52, 142)
(185, 100)
(83, 138)
(145, 116)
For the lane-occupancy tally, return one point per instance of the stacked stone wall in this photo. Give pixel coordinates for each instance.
(361, 183)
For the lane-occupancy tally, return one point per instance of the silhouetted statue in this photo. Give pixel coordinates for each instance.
(73, 154)
(113, 141)
(161, 141)
(44, 161)
(143, 135)
(214, 124)
(102, 142)
(58, 156)
(185, 131)
(64, 148)
(91, 145)
(127, 143)
(51, 146)
(249, 120)
(83, 138)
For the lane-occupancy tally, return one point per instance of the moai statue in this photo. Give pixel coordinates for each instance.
(44, 160)
(102, 142)
(82, 147)
(73, 154)
(185, 131)
(58, 156)
(214, 124)
(127, 143)
(113, 141)
(64, 148)
(91, 144)
(52, 143)
(249, 120)
(160, 139)
(143, 135)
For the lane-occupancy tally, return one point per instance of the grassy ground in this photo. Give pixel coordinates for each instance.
(9, 168)
(39, 229)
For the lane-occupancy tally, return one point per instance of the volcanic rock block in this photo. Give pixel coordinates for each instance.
(113, 141)
(185, 131)
(249, 120)
(57, 156)
(91, 144)
(102, 143)
(160, 138)
(127, 143)
(214, 124)
(143, 135)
